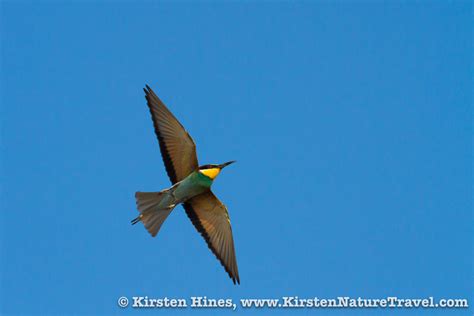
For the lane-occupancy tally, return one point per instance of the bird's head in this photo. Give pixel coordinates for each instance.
(212, 171)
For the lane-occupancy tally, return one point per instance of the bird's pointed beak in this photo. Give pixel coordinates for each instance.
(225, 164)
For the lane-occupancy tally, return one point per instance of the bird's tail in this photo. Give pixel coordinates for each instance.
(154, 208)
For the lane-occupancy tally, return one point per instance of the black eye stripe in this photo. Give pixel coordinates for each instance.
(203, 167)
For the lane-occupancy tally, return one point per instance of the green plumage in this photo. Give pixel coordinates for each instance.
(194, 184)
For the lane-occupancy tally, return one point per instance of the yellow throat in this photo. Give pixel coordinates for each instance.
(210, 173)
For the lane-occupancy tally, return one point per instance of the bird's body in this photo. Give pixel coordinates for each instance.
(194, 184)
(191, 187)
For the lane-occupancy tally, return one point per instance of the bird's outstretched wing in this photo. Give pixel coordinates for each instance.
(177, 147)
(211, 219)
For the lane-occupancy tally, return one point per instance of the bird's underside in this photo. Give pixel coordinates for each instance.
(207, 213)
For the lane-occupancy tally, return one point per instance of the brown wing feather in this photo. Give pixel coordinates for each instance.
(211, 219)
(177, 147)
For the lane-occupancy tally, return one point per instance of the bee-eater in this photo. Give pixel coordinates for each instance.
(191, 187)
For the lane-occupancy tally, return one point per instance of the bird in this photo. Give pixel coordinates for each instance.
(191, 187)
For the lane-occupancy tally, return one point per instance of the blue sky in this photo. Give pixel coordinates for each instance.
(351, 124)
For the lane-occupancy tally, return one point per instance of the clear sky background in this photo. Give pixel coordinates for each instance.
(351, 124)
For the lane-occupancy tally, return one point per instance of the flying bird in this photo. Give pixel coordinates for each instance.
(191, 187)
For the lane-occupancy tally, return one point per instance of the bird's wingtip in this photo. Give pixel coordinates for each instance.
(235, 280)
